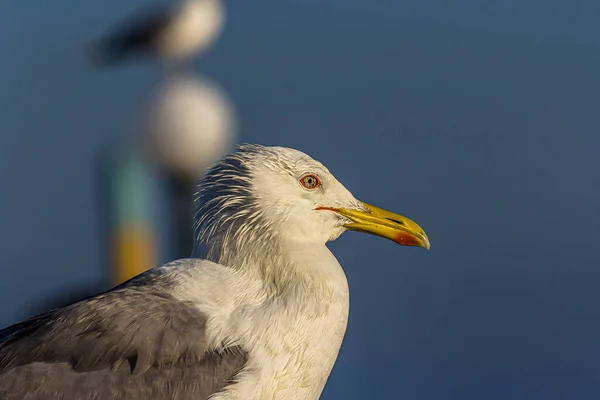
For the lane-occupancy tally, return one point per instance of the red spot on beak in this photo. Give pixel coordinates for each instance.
(406, 239)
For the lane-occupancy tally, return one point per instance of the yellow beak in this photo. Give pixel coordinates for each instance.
(386, 224)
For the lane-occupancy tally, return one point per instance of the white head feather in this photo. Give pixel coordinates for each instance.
(253, 200)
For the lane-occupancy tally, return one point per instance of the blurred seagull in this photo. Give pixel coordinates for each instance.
(172, 34)
(259, 313)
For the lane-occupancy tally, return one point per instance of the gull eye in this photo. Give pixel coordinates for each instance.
(310, 181)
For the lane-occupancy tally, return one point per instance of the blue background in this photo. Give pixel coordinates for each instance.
(479, 120)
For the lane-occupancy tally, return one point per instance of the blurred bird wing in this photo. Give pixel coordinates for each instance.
(134, 35)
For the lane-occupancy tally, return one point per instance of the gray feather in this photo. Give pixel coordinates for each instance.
(134, 342)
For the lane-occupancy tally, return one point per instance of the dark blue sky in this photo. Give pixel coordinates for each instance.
(479, 121)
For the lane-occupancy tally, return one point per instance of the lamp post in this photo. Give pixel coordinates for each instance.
(187, 126)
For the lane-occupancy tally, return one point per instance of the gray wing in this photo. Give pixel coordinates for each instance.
(133, 37)
(134, 342)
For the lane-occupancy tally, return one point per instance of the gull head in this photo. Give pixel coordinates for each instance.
(264, 194)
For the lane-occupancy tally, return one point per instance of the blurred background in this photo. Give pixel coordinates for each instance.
(479, 120)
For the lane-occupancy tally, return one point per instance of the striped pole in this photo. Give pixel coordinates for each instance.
(130, 217)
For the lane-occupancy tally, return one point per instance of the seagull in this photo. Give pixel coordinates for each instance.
(171, 34)
(258, 313)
